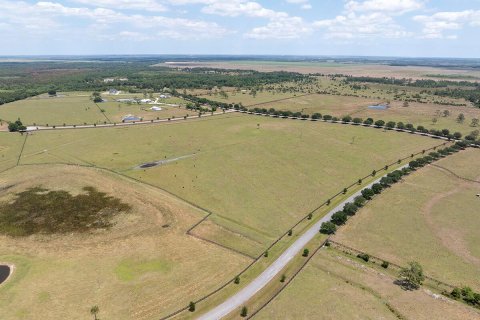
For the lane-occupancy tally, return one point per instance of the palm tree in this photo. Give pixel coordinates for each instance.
(94, 310)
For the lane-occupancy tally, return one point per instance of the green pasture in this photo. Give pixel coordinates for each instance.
(258, 175)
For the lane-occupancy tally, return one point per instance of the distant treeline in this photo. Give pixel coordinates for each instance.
(21, 80)
(423, 83)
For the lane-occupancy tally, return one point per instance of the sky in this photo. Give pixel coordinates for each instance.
(400, 28)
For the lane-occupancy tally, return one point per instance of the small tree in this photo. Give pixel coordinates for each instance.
(266, 254)
(339, 218)
(244, 312)
(475, 122)
(328, 228)
(237, 280)
(94, 311)
(283, 278)
(359, 201)
(412, 275)
(191, 306)
(306, 252)
(461, 118)
(290, 232)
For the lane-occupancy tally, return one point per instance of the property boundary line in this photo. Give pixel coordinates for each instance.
(454, 174)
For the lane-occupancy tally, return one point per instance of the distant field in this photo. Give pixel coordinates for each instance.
(143, 268)
(437, 210)
(245, 169)
(77, 108)
(333, 286)
(372, 70)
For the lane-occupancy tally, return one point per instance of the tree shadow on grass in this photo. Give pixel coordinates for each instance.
(405, 285)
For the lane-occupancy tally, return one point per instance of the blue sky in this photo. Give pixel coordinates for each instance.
(414, 28)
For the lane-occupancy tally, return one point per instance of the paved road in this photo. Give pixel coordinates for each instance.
(241, 297)
(123, 124)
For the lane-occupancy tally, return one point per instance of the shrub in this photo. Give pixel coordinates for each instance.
(236, 280)
(283, 278)
(379, 123)
(391, 124)
(244, 312)
(365, 257)
(306, 252)
(357, 120)
(317, 116)
(191, 306)
(385, 264)
(290, 232)
(327, 117)
(346, 119)
(400, 125)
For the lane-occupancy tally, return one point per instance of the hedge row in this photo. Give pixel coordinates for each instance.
(350, 208)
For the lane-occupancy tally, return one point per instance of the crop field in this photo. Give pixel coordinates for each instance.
(438, 207)
(78, 108)
(272, 160)
(144, 267)
(335, 286)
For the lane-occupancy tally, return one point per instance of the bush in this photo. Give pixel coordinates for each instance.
(191, 306)
(328, 228)
(379, 123)
(365, 257)
(236, 280)
(244, 312)
(306, 252)
(357, 120)
(327, 117)
(317, 116)
(346, 119)
(391, 124)
(385, 264)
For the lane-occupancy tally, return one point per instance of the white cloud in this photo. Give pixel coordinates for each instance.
(371, 25)
(304, 4)
(435, 26)
(287, 28)
(48, 17)
(144, 5)
(386, 6)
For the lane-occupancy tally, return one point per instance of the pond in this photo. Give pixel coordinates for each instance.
(378, 107)
(4, 273)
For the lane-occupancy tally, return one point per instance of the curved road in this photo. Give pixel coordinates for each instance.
(241, 297)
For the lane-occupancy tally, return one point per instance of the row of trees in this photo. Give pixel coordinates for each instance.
(390, 125)
(467, 295)
(350, 209)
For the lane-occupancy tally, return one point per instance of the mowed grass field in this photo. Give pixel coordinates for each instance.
(142, 268)
(415, 113)
(431, 217)
(77, 108)
(258, 175)
(335, 286)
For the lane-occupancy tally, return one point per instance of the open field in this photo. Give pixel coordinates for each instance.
(335, 286)
(244, 169)
(142, 268)
(77, 108)
(438, 211)
(372, 70)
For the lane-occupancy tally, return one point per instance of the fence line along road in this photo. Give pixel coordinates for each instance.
(241, 297)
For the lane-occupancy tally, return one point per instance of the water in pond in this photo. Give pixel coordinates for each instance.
(378, 107)
(4, 273)
(131, 118)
